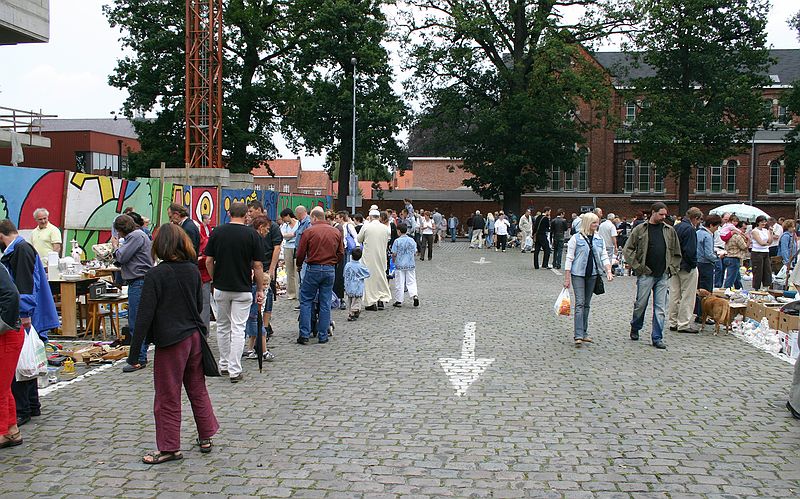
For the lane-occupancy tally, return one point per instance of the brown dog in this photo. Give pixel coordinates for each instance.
(714, 307)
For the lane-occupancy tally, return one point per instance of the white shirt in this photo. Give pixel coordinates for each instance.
(759, 248)
(777, 232)
(607, 231)
(501, 227)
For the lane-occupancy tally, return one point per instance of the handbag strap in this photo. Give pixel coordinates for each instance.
(594, 257)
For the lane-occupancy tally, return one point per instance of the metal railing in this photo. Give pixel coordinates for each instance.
(17, 120)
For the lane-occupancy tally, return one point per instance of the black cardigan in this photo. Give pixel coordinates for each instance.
(9, 299)
(169, 311)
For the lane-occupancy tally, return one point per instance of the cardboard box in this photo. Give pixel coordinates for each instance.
(753, 310)
(789, 323)
(719, 292)
(789, 344)
(773, 314)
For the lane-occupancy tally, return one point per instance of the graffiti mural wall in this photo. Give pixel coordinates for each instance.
(268, 198)
(293, 201)
(94, 201)
(205, 201)
(23, 190)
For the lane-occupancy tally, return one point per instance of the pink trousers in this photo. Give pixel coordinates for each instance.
(175, 366)
(10, 347)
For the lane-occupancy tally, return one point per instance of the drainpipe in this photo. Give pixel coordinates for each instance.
(752, 168)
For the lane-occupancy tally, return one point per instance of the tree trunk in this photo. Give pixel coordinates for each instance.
(683, 188)
(238, 162)
(511, 201)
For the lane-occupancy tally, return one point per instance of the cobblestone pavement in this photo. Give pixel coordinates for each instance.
(373, 414)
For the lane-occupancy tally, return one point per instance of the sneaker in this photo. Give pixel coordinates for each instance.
(397, 304)
(297, 308)
(239, 377)
(416, 301)
(252, 355)
(269, 356)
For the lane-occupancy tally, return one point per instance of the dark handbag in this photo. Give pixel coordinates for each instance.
(210, 366)
(599, 287)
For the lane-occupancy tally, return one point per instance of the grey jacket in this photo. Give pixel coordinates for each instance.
(635, 251)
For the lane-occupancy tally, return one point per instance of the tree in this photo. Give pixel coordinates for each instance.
(318, 113)
(260, 35)
(704, 99)
(505, 85)
(792, 102)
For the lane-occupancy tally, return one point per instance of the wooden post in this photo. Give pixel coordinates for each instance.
(161, 192)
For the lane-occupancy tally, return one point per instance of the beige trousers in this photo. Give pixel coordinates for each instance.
(682, 296)
(291, 273)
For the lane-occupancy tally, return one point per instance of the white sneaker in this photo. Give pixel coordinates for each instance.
(252, 355)
(269, 356)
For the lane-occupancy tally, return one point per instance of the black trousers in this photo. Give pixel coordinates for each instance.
(705, 280)
(541, 244)
(558, 252)
(26, 395)
(427, 242)
(502, 241)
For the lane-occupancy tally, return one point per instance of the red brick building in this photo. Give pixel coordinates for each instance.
(612, 178)
(283, 178)
(99, 146)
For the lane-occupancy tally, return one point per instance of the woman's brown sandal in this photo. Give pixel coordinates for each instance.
(161, 457)
(12, 440)
(205, 445)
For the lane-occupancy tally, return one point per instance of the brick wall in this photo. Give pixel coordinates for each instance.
(437, 174)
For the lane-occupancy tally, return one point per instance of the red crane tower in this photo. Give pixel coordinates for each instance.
(203, 84)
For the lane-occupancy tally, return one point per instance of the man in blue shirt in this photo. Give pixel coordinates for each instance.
(683, 285)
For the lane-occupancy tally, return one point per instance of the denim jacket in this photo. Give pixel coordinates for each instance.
(577, 258)
(705, 246)
(786, 247)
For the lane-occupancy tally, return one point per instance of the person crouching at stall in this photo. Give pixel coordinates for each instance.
(169, 317)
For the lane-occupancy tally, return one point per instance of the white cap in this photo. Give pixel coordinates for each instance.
(374, 213)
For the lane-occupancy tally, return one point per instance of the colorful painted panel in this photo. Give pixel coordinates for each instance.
(94, 201)
(230, 196)
(293, 201)
(23, 190)
(205, 201)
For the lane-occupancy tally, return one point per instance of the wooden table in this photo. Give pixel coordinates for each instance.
(114, 303)
(68, 301)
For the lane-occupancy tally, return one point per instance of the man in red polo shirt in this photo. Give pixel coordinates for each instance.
(321, 248)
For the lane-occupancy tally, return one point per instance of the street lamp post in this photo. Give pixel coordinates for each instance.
(353, 182)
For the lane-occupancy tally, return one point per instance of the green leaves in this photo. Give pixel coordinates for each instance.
(710, 62)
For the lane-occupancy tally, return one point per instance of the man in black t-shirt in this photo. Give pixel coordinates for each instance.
(234, 259)
(558, 227)
(541, 227)
(654, 253)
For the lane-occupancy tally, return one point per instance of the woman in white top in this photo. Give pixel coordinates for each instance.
(501, 226)
(759, 254)
(288, 228)
(426, 229)
(587, 260)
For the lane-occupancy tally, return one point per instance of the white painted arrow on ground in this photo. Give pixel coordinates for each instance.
(481, 261)
(466, 370)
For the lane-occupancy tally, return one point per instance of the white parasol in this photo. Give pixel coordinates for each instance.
(743, 211)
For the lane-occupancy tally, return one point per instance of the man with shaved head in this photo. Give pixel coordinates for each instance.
(320, 249)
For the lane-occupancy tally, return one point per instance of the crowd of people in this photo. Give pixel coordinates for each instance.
(183, 272)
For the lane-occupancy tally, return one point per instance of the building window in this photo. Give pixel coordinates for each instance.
(583, 170)
(82, 162)
(716, 178)
(569, 181)
(789, 182)
(102, 163)
(783, 115)
(555, 178)
(318, 192)
(271, 187)
(285, 188)
(630, 112)
(644, 176)
(305, 191)
(630, 176)
(701, 179)
(658, 180)
(774, 176)
(730, 177)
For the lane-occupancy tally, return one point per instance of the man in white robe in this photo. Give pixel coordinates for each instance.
(375, 239)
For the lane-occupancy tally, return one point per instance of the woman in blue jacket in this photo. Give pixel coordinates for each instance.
(787, 244)
(586, 261)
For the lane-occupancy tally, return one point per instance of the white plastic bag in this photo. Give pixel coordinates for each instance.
(528, 243)
(563, 304)
(32, 358)
(781, 275)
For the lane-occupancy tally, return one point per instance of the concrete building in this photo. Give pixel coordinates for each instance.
(24, 21)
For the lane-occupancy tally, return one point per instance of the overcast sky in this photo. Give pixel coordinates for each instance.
(68, 76)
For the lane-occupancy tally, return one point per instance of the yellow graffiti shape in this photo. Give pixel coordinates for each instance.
(105, 184)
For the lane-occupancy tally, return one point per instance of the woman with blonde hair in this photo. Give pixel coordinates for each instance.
(586, 259)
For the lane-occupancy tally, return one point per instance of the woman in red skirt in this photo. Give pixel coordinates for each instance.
(169, 317)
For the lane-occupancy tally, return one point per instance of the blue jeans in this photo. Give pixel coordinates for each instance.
(659, 287)
(490, 239)
(583, 289)
(558, 252)
(318, 278)
(134, 297)
(732, 274)
(453, 234)
(719, 273)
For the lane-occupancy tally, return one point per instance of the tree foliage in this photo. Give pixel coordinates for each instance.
(282, 72)
(319, 105)
(503, 83)
(792, 102)
(704, 99)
